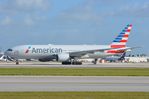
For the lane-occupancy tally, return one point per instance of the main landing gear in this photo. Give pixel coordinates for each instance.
(17, 62)
(72, 62)
(95, 61)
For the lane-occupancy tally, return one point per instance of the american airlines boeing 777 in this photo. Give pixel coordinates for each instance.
(69, 54)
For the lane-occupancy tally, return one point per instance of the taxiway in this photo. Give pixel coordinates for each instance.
(86, 65)
(73, 83)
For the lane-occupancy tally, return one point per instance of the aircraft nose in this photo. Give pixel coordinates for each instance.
(9, 52)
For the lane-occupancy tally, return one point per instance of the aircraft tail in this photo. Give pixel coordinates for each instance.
(121, 40)
(123, 56)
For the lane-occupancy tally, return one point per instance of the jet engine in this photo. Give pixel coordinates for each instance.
(63, 57)
(49, 58)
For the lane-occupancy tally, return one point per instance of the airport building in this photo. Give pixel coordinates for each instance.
(137, 59)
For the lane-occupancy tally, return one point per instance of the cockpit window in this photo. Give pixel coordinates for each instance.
(1, 55)
(9, 50)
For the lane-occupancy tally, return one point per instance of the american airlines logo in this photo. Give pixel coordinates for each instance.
(27, 51)
(44, 50)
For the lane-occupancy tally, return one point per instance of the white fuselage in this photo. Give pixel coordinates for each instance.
(41, 51)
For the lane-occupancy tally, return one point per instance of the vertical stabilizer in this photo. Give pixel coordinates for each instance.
(121, 40)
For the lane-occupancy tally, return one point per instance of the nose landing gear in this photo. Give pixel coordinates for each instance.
(17, 62)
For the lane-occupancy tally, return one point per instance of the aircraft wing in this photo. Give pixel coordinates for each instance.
(81, 53)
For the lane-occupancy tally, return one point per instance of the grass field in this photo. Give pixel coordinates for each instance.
(76, 71)
(74, 95)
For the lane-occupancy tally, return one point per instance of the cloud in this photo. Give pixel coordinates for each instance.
(24, 6)
(109, 8)
(24, 12)
(129, 9)
(84, 12)
(28, 21)
(7, 21)
(32, 4)
(138, 10)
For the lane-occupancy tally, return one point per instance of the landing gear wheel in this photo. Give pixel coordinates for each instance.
(66, 63)
(77, 63)
(95, 61)
(17, 62)
(72, 63)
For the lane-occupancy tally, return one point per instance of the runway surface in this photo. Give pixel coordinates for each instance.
(57, 65)
(73, 83)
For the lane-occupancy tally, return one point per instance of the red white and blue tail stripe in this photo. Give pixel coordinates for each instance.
(121, 40)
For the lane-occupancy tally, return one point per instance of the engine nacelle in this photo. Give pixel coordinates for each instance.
(63, 57)
(46, 59)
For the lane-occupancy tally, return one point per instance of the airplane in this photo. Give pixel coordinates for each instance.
(69, 54)
(115, 58)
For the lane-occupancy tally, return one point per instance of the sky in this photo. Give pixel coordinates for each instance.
(73, 22)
